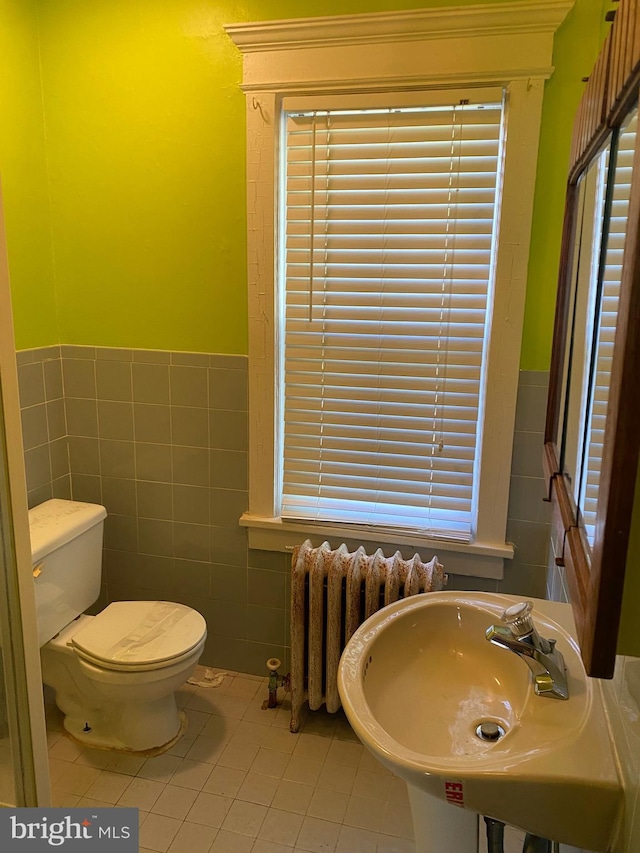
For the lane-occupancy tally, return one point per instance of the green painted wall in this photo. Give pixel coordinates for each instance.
(145, 130)
(145, 145)
(23, 176)
(576, 46)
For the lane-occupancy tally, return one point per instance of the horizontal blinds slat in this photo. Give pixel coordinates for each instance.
(385, 319)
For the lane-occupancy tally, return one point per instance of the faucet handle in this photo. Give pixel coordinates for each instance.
(518, 618)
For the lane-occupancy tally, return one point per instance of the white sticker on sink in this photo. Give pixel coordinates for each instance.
(454, 793)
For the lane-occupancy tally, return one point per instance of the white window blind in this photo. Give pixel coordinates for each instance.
(388, 242)
(606, 326)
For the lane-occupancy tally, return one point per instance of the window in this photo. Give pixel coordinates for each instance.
(387, 240)
(439, 309)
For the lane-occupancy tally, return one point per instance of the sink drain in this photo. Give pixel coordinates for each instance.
(489, 731)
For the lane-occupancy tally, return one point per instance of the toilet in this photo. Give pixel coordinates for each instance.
(114, 674)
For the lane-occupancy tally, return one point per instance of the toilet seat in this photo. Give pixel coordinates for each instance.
(140, 635)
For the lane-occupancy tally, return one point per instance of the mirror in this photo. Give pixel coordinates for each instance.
(584, 277)
(592, 439)
(604, 193)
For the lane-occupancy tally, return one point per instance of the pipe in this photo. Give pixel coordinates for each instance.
(495, 835)
(273, 664)
(535, 844)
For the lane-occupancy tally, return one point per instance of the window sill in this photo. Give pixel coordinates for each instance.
(477, 559)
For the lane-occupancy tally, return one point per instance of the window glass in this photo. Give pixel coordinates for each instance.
(388, 244)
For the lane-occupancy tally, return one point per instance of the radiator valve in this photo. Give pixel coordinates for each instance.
(273, 665)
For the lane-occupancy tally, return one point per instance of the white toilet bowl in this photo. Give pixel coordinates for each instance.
(115, 674)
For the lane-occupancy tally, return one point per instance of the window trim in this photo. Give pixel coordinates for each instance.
(510, 45)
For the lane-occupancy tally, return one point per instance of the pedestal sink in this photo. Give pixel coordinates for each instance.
(418, 678)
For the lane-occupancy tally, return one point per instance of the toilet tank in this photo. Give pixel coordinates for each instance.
(66, 549)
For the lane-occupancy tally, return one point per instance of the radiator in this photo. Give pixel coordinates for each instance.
(332, 593)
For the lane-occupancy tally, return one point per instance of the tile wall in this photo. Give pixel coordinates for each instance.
(622, 699)
(160, 439)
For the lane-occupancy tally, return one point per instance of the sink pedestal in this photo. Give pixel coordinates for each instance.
(439, 826)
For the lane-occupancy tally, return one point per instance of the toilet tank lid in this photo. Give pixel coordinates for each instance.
(56, 522)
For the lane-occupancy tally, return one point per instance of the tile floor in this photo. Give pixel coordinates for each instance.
(239, 782)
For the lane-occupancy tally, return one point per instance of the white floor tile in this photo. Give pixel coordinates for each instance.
(321, 723)
(245, 818)
(328, 805)
(318, 836)
(256, 714)
(397, 820)
(141, 794)
(98, 758)
(369, 762)
(280, 740)
(157, 832)
(258, 789)
(87, 802)
(196, 720)
(191, 774)
(344, 731)
(398, 791)
(108, 787)
(354, 840)
(222, 704)
(220, 728)
(122, 762)
(209, 809)
(312, 746)
(262, 846)
(270, 762)
(281, 827)
(376, 786)
(225, 781)
(363, 813)
(77, 779)
(283, 717)
(292, 797)
(160, 767)
(246, 688)
(63, 799)
(239, 755)
(303, 769)
(239, 782)
(248, 732)
(391, 844)
(206, 749)
(65, 749)
(232, 842)
(182, 746)
(345, 752)
(337, 777)
(193, 838)
(174, 801)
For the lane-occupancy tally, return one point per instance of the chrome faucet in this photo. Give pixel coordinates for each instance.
(518, 634)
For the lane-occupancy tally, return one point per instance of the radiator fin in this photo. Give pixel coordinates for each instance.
(332, 593)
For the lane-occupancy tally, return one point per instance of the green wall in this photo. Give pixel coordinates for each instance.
(23, 175)
(576, 46)
(145, 145)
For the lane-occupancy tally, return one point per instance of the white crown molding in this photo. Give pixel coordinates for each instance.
(407, 83)
(529, 16)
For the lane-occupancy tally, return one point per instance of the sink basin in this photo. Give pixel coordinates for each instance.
(418, 678)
